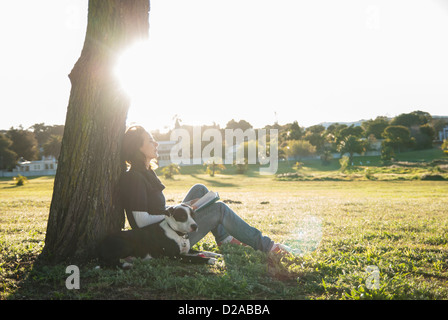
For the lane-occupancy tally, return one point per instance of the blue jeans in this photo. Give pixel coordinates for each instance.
(222, 222)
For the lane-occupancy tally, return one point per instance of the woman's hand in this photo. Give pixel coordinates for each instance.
(192, 202)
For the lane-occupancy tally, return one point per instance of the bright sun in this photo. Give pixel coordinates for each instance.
(133, 70)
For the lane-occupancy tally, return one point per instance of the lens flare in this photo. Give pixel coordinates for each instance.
(133, 69)
(306, 237)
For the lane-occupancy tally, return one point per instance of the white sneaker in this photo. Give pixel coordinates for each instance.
(232, 240)
(281, 249)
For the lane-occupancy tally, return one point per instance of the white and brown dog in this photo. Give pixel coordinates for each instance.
(166, 238)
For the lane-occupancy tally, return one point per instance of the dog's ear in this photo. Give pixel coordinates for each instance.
(188, 206)
(169, 211)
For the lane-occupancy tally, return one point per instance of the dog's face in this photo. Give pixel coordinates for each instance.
(181, 218)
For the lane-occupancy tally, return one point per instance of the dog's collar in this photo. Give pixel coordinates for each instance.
(180, 234)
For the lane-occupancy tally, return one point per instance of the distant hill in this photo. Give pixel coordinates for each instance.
(356, 123)
(359, 122)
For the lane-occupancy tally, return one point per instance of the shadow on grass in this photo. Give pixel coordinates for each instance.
(12, 186)
(243, 273)
(214, 182)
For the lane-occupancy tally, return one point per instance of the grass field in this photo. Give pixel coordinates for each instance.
(344, 233)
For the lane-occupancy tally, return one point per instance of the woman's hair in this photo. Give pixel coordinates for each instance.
(130, 150)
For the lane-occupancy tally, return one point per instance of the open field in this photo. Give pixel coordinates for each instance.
(344, 233)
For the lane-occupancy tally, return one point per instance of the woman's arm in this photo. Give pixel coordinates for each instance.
(143, 218)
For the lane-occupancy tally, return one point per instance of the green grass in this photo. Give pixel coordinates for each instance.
(341, 227)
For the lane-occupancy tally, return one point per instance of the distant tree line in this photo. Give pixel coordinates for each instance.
(29, 144)
(408, 131)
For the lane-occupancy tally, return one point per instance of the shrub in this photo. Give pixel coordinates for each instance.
(369, 174)
(241, 168)
(299, 148)
(213, 167)
(445, 146)
(298, 166)
(171, 170)
(387, 153)
(20, 180)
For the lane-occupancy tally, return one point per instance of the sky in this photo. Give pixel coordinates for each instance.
(210, 61)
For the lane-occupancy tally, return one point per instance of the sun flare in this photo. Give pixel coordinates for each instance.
(133, 69)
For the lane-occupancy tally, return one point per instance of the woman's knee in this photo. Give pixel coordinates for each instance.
(200, 188)
(196, 191)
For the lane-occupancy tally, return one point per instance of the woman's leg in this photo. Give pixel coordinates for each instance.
(197, 191)
(219, 214)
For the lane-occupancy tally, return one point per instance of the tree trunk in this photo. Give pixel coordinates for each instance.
(85, 205)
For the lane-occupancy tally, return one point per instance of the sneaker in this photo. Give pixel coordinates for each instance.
(127, 263)
(280, 249)
(231, 240)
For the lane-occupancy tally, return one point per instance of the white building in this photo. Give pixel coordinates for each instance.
(45, 167)
(164, 150)
(443, 134)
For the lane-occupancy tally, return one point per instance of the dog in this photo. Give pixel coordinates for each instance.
(168, 237)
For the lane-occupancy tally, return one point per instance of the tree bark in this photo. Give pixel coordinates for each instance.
(85, 205)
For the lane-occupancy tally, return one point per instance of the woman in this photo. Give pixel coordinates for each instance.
(144, 202)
